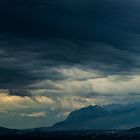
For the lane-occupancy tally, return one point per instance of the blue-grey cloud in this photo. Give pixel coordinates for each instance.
(38, 37)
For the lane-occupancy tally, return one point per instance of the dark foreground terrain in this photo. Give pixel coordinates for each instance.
(72, 135)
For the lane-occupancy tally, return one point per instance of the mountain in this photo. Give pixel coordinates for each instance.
(93, 118)
(97, 118)
(134, 130)
(7, 131)
(82, 119)
(89, 112)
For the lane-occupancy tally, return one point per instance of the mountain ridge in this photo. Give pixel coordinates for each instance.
(97, 117)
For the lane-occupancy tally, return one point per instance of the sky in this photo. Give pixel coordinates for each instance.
(57, 56)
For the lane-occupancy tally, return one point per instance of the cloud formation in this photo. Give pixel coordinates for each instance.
(35, 114)
(69, 50)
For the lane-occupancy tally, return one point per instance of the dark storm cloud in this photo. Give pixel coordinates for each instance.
(19, 92)
(40, 35)
(71, 19)
(14, 77)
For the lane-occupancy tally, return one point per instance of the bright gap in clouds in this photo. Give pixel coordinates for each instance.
(80, 87)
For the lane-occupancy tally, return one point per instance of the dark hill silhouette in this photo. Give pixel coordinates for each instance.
(134, 130)
(98, 118)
